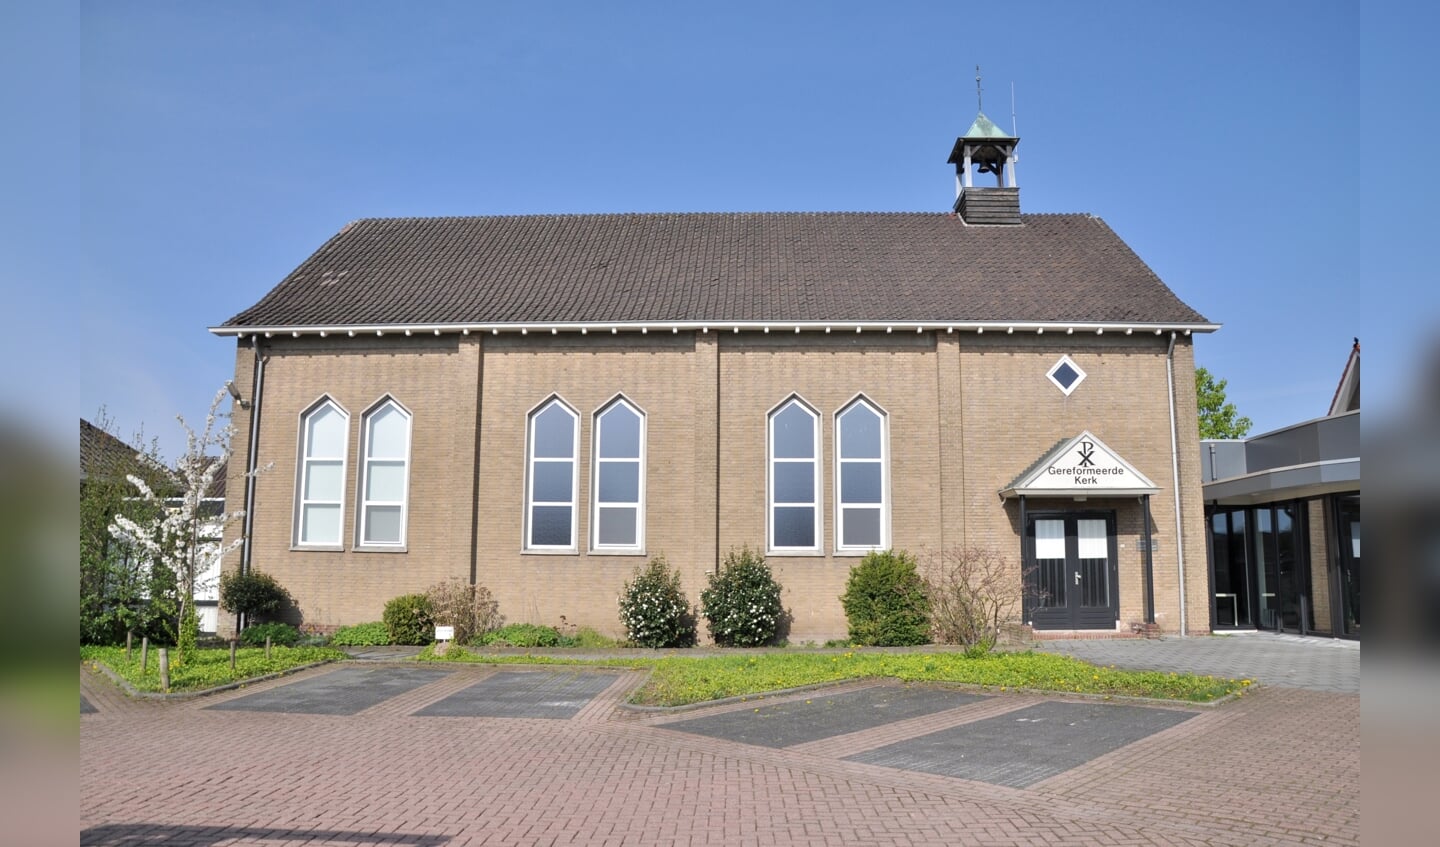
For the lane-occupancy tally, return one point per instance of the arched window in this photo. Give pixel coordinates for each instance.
(552, 438)
(618, 503)
(320, 484)
(794, 478)
(384, 475)
(862, 507)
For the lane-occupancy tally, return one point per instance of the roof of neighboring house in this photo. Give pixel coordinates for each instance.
(762, 266)
(216, 491)
(104, 455)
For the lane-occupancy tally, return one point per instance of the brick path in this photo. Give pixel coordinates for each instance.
(1280, 766)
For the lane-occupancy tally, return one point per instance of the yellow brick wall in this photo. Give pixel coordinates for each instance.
(435, 379)
(898, 374)
(661, 374)
(966, 413)
(1319, 564)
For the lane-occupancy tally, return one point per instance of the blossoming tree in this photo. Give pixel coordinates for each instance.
(184, 534)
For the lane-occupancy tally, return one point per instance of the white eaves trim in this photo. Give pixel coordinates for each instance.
(645, 327)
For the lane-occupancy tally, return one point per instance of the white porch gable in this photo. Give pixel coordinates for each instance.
(1082, 466)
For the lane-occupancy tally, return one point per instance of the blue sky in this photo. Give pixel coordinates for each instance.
(176, 160)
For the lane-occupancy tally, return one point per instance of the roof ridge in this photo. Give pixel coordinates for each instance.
(713, 214)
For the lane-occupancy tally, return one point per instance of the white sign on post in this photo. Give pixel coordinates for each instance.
(444, 633)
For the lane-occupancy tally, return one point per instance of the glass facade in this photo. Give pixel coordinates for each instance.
(1275, 566)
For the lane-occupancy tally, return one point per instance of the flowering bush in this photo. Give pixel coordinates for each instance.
(742, 603)
(654, 610)
(885, 601)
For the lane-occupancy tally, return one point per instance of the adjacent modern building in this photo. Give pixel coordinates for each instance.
(1283, 510)
(541, 404)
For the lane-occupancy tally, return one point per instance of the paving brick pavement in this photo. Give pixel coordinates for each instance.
(1291, 661)
(1278, 766)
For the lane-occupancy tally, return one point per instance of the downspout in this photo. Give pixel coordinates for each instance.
(1175, 477)
(250, 461)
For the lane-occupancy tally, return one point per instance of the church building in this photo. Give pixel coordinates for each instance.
(540, 404)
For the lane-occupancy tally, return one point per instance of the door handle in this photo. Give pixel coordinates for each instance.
(1077, 577)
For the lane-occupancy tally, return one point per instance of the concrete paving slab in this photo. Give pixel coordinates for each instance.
(346, 691)
(1290, 661)
(803, 721)
(519, 694)
(1023, 747)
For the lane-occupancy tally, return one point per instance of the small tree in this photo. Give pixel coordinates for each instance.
(177, 532)
(973, 591)
(255, 595)
(885, 601)
(654, 609)
(1218, 418)
(742, 603)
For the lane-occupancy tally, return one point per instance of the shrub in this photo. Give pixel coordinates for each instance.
(654, 609)
(372, 634)
(410, 620)
(522, 635)
(742, 602)
(972, 592)
(885, 601)
(256, 595)
(282, 634)
(468, 608)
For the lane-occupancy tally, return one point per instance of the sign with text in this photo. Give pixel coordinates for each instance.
(444, 633)
(1078, 467)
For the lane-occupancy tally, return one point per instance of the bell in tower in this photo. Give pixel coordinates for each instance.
(985, 149)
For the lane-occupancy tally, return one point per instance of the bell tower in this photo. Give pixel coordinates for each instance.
(985, 149)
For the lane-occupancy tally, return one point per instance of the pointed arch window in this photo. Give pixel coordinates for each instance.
(550, 492)
(794, 478)
(862, 507)
(320, 487)
(384, 475)
(618, 505)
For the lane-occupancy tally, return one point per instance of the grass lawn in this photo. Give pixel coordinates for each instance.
(207, 667)
(680, 680)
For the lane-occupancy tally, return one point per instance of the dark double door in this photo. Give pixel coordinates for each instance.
(1072, 570)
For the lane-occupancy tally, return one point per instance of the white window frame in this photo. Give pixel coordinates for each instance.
(363, 458)
(1079, 375)
(841, 548)
(596, 460)
(771, 547)
(303, 463)
(530, 460)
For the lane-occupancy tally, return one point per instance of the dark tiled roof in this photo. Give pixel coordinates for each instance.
(718, 267)
(104, 455)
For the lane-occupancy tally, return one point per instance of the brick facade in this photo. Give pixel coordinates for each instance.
(966, 412)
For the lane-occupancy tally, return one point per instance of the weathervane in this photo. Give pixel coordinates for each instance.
(979, 99)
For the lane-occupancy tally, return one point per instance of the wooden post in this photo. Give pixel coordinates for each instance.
(129, 639)
(267, 648)
(144, 653)
(232, 655)
(164, 669)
